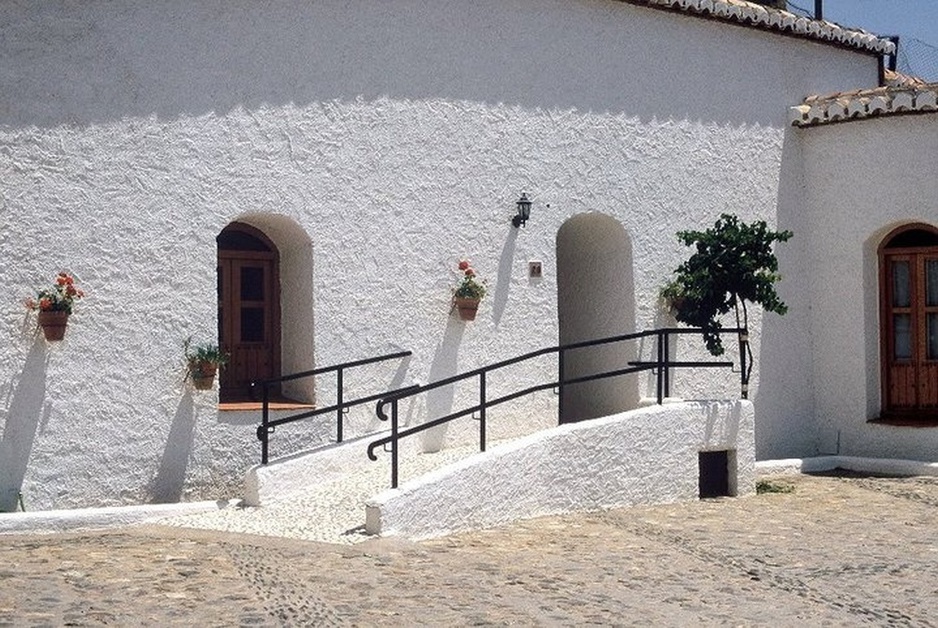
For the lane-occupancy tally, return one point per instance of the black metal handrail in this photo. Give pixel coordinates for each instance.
(662, 365)
(268, 426)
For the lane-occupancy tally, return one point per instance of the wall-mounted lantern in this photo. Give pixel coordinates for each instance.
(524, 211)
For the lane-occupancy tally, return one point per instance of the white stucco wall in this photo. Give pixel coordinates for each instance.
(396, 138)
(646, 456)
(864, 179)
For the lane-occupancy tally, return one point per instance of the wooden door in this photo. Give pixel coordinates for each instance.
(910, 331)
(248, 317)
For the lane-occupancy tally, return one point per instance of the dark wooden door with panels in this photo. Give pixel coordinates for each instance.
(248, 309)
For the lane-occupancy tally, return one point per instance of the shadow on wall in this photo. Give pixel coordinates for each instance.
(181, 58)
(503, 280)
(596, 299)
(296, 294)
(27, 410)
(440, 400)
(648, 347)
(168, 484)
(784, 399)
(871, 314)
(719, 428)
(362, 420)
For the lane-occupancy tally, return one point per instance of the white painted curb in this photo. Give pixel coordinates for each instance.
(49, 521)
(793, 466)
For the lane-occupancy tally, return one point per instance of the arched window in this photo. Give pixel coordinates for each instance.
(248, 309)
(909, 322)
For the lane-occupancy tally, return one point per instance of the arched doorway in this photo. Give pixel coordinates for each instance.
(909, 322)
(596, 299)
(248, 309)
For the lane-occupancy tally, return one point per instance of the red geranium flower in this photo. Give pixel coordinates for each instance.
(60, 297)
(469, 285)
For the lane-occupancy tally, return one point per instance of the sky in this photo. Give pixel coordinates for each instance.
(915, 21)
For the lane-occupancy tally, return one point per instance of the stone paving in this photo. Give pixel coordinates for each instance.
(837, 551)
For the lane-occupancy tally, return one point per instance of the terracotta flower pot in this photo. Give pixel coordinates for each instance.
(467, 308)
(202, 374)
(53, 324)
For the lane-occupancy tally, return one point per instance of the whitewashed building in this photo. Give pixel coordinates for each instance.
(342, 157)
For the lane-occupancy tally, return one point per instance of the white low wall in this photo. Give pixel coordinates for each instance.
(882, 466)
(644, 456)
(50, 521)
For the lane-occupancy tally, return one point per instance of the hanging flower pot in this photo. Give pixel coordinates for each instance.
(54, 305)
(469, 292)
(203, 363)
(53, 324)
(467, 308)
(202, 375)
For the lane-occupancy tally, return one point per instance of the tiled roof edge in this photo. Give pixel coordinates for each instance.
(863, 104)
(770, 18)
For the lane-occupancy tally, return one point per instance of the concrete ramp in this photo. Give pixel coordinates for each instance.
(645, 456)
(303, 471)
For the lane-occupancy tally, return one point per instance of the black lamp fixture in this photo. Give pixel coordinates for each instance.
(524, 211)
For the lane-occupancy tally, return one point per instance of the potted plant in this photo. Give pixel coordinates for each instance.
(672, 295)
(469, 292)
(203, 363)
(55, 305)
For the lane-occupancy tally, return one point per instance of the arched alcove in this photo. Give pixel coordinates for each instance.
(293, 286)
(596, 299)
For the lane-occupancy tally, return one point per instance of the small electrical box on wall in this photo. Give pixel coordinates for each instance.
(534, 269)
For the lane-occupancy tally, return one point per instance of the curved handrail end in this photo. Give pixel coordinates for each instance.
(381, 414)
(371, 450)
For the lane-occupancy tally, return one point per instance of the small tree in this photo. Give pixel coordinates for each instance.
(733, 264)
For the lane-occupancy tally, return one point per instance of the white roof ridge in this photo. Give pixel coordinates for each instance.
(770, 18)
(865, 103)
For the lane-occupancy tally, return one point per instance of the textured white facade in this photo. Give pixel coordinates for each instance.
(375, 145)
(864, 179)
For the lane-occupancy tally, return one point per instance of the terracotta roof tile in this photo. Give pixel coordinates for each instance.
(898, 79)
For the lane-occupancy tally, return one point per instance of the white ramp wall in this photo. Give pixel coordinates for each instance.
(644, 456)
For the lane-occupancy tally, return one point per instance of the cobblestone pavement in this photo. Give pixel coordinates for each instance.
(836, 551)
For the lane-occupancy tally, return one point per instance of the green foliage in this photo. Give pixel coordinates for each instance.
(204, 354)
(733, 263)
(673, 294)
(768, 486)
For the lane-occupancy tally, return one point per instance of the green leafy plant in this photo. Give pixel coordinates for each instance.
(672, 294)
(768, 486)
(203, 358)
(470, 286)
(732, 264)
(60, 297)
